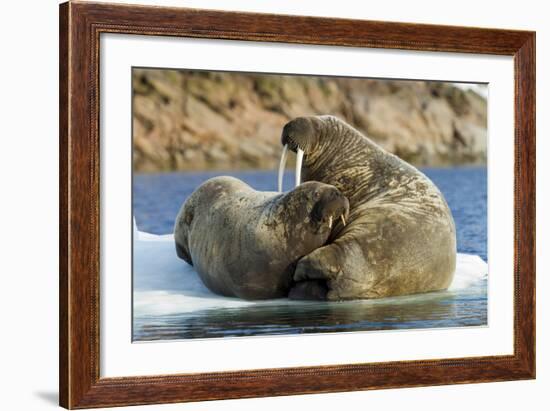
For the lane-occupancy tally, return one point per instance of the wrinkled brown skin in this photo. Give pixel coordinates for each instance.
(245, 243)
(400, 237)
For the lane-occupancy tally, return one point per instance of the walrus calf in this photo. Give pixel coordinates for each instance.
(400, 237)
(244, 243)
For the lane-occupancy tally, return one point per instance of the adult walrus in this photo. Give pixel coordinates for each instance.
(244, 243)
(400, 237)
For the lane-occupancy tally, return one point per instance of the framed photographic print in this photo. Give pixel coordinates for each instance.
(258, 205)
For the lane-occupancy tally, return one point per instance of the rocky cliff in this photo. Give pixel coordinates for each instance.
(207, 120)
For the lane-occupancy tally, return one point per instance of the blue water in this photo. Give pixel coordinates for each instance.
(157, 199)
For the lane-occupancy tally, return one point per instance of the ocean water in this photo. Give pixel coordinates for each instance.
(157, 199)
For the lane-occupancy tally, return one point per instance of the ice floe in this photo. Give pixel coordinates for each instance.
(164, 284)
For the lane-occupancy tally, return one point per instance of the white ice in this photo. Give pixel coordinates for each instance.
(165, 284)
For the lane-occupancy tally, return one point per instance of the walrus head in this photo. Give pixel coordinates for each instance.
(301, 135)
(328, 205)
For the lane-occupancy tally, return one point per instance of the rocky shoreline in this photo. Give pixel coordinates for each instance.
(186, 120)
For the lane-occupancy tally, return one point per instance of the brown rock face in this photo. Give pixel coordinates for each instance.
(191, 120)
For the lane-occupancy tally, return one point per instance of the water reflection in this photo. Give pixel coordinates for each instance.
(434, 310)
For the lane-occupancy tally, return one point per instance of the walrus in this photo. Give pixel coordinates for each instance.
(244, 243)
(400, 237)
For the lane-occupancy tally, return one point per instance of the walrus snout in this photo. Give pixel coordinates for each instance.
(298, 134)
(331, 206)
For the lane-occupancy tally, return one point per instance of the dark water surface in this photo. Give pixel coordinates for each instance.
(157, 199)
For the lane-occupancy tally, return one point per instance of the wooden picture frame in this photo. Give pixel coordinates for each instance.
(80, 27)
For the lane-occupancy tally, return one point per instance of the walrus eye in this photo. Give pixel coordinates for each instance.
(316, 195)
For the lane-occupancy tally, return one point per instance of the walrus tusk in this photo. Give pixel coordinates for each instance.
(299, 157)
(330, 222)
(343, 219)
(282, 167)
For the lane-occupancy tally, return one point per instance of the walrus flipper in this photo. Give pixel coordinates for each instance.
(183, 254)
(315, 290)
(321, 264)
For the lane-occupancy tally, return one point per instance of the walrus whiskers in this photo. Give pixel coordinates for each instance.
(282, 168)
